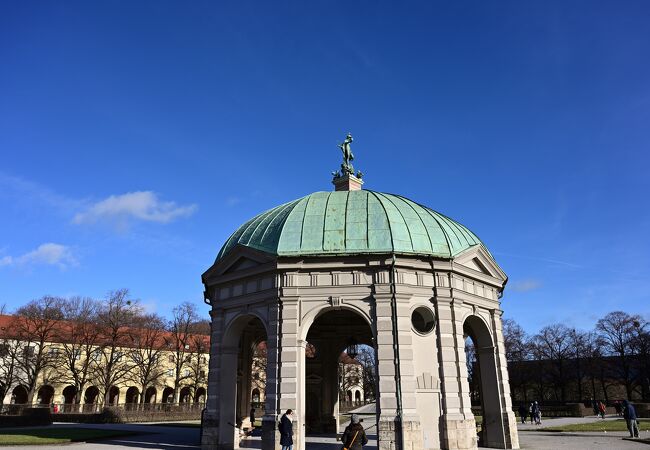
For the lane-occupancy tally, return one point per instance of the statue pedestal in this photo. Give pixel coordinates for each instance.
(347, 182)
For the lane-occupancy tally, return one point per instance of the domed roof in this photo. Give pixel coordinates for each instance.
(352, 222)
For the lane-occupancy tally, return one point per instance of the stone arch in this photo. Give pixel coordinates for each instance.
(329, 329)
(199, 397)
(90, 397)
(150, 395)
(492, 431)
(132, 395)
(19, 395)
(186, 395)
(312, 315)
(235, 325)
(240, 336)
(357, 396)
(168, 395)
(45, 395)
(69, 396)
(255, 395)
(113, 395)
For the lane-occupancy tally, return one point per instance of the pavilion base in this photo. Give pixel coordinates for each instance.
(391, 431)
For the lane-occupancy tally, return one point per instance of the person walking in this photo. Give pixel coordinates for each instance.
(629, 414)
(537, 413)
(523, 412)
(354, 437)
(286, 430)
(601, 409)
(531, 412)
(252, 417)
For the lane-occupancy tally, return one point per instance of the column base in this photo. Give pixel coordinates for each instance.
(391, 431)
(458, 434)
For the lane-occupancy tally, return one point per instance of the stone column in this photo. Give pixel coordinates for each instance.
(393, 429)
(511, 437)
(210, 435)
(270, 434)
(285, 388)
(457, 425)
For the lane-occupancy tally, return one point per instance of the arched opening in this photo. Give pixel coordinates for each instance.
(69, 395)
(186, 395)
(357, 397)
(91, 394)
(113, 396)
(19, 395)
(341, 342)
(200, 395)
(239, 365)
(483, 381)
(150, 395)
(132, 396)
(255, 397)
(168, 395)
(45, 395)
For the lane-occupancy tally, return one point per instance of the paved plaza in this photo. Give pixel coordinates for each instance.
(157, 437)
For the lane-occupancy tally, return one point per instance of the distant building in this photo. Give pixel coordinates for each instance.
(54, 384)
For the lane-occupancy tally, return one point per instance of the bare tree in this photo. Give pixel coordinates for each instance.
(147, 352)
(78, 338)
(553, 343)
(366, 358)
(116, 317)
(617, 331)
(35, 326)
(184, 316)
(518, 349)
(9, 353)
(199, 346)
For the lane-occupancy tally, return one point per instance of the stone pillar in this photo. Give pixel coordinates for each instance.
(393, 429)
(510, 435)
(457, 425)
(285, 388)
(270, 434)
(210, 434)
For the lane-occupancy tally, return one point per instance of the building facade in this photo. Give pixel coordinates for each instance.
(48, 367)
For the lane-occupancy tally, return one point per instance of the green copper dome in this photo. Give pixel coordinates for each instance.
(352, 222)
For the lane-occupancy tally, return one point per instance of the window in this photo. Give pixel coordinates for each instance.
(186, 373)
(170, 372)
(202, 375)
(28, 352)
(171, 359)
(4, 350)
(422, 320)
(203, 359)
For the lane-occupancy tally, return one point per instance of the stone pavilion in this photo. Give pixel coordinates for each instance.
(355, 266)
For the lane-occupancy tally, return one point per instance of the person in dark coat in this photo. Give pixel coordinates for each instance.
(252, 417)
(354, 437)
(629, 413)
(285, 427)
(523, 412)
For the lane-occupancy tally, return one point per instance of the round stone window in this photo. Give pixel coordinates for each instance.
(423, 320)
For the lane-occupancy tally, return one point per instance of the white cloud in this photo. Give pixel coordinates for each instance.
(525, 285)
(141, 205)
(50, 254)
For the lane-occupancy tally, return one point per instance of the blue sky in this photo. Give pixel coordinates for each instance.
(135, 136)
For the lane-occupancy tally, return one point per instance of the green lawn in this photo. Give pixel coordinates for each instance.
(601, 425)
(45, 436)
